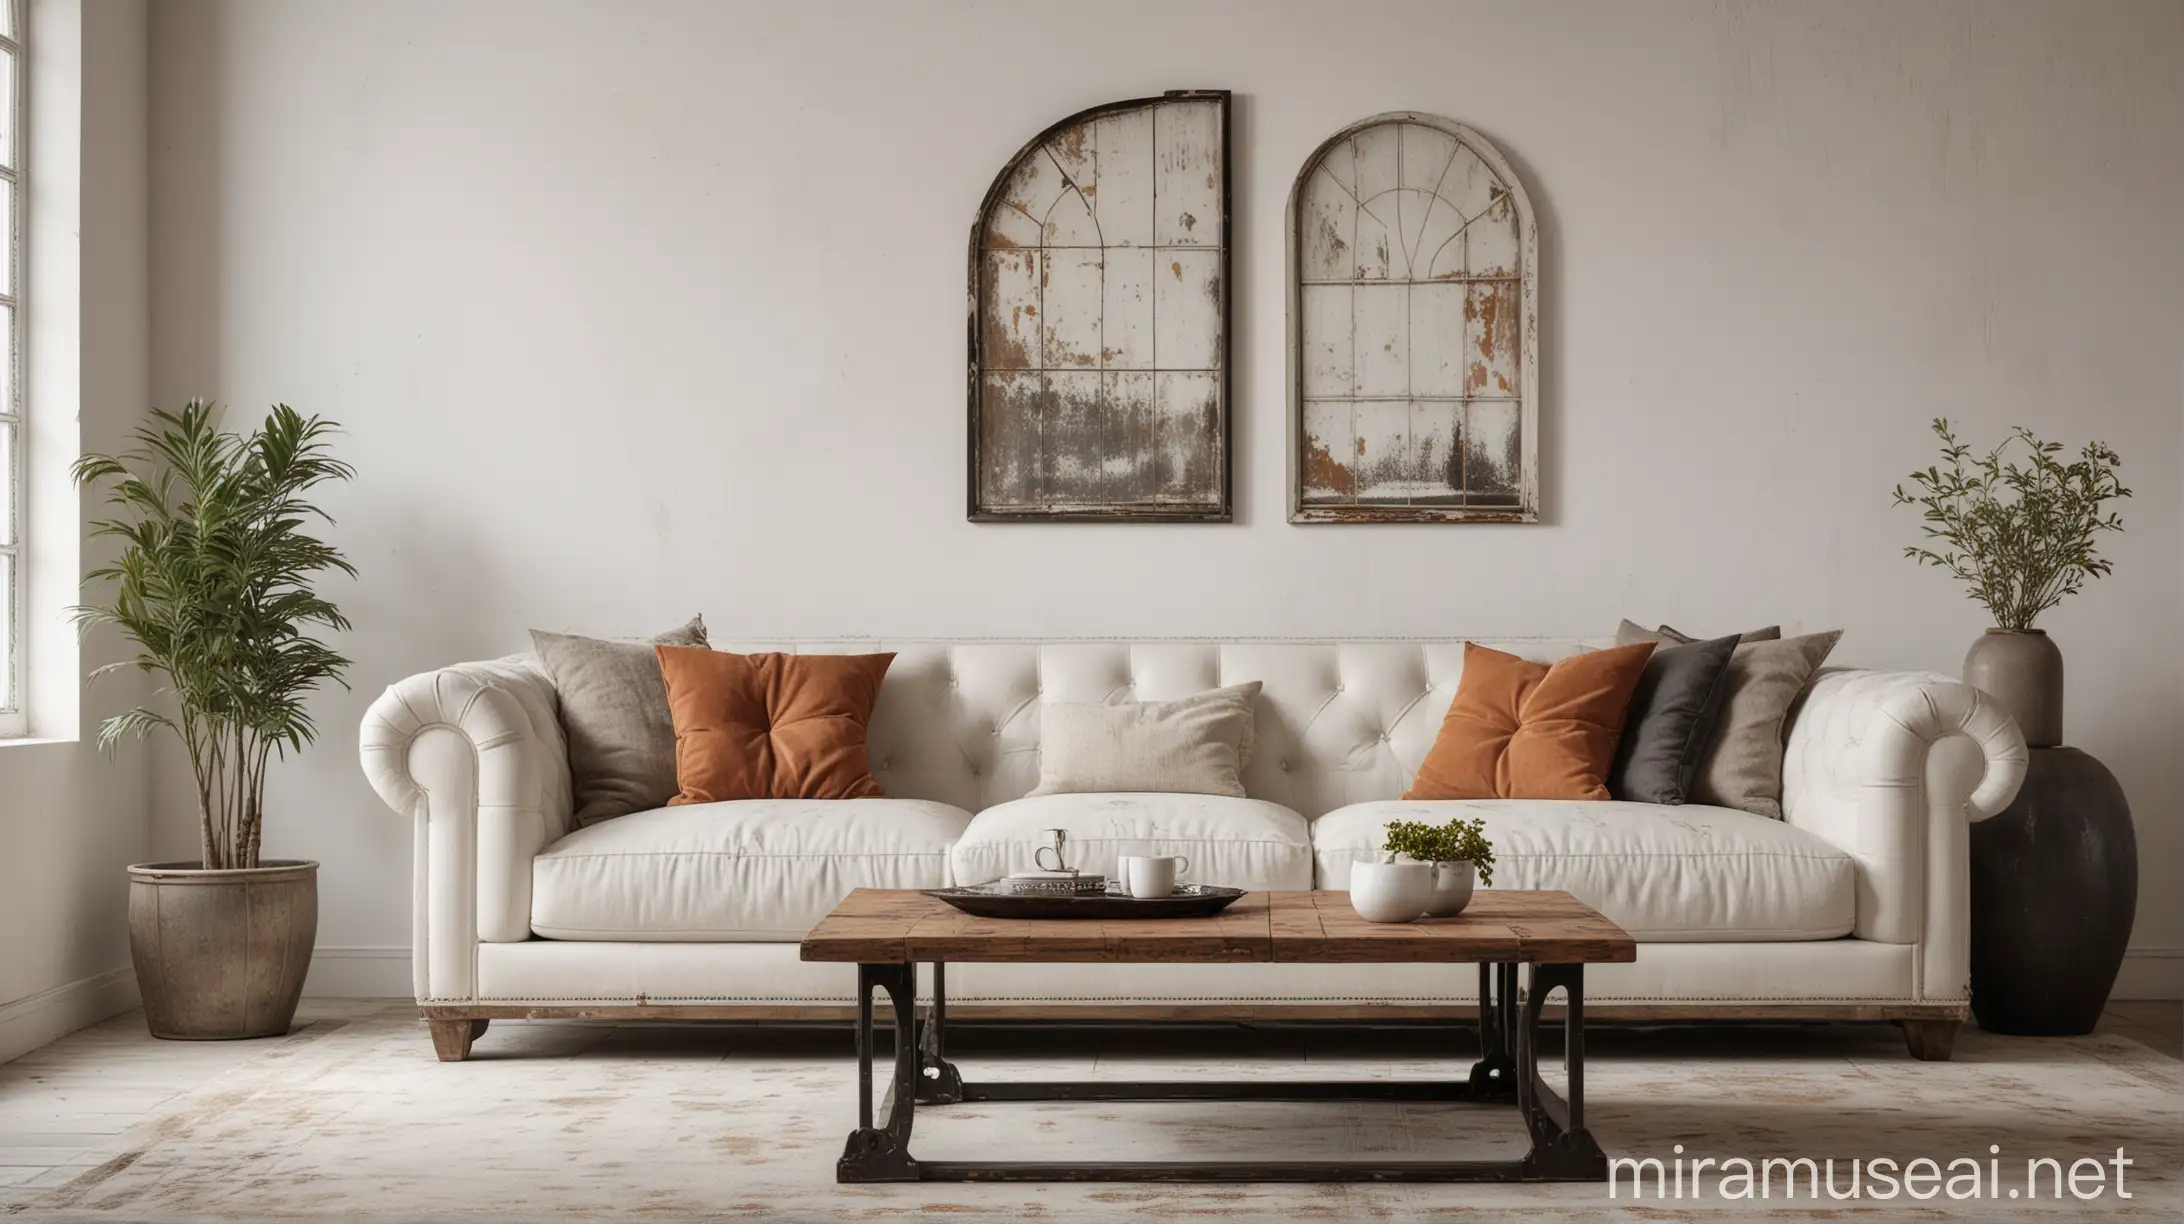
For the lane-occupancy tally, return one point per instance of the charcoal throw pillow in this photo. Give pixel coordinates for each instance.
(614, 712)
(1673, 712)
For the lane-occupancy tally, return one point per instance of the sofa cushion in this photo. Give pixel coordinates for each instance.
(1239, 843)
(757, 869)
(1687, 873)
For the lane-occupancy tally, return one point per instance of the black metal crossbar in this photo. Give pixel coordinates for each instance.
(1507, 1072)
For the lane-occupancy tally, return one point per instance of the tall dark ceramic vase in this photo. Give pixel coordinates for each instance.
(2054, 890)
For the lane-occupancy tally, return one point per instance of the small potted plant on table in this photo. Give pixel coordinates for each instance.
(1459, 853)
(1424, 871)
(213, 586)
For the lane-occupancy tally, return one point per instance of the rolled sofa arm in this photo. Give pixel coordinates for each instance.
(1893, 767)
(474, 755)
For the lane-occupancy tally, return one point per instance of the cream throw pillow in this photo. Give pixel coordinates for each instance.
(1198, 745)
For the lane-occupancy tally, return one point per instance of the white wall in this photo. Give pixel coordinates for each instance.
(71, 819)
(638, 309)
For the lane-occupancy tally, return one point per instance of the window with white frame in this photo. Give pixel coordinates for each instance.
(11, 366)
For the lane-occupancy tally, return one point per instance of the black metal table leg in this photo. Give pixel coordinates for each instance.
(1562, 1149)
(938, 1081)
(882, 1153)
(1494, 1076)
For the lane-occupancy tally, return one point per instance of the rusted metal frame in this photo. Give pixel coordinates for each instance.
(1225, 512)
(1527, 510)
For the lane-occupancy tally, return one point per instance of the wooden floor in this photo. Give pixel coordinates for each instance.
(62, 1104)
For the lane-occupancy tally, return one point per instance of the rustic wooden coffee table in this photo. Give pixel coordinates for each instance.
(888, 934)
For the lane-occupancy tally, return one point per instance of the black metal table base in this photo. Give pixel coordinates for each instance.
(1507, 1072)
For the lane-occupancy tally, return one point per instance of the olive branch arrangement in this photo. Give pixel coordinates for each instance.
(1459, 841)
(2021, 536)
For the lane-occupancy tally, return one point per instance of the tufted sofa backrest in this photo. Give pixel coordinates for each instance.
(1337, 722)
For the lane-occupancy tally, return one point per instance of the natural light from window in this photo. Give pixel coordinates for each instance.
(11, 368)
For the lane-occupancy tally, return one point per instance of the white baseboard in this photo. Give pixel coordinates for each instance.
(360, 973)
(49, 1015)
(2151, 973)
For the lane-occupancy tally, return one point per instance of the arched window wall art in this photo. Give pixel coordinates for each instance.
(1413, 329)
(1099, 320)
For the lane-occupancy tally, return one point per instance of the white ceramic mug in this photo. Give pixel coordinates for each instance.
(1152, 875)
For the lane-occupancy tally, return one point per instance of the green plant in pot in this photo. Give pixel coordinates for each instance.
(213, 587)
(2054, 877)
(1459, 853)
(2018, 525)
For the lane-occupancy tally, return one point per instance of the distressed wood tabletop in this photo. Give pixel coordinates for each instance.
(889, 926)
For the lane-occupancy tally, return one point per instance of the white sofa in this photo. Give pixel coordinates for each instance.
(1854, 907)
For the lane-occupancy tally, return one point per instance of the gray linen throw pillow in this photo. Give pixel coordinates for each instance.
(614, 712)
(1197, 745)
(1743, 767)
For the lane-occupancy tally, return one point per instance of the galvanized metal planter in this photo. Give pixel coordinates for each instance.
(1413, 329)
(1099, 321)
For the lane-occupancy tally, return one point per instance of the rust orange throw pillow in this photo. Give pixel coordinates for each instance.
(771, 726)
(1524, 730)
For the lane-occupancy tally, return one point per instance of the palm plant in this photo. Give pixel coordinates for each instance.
(213, 586)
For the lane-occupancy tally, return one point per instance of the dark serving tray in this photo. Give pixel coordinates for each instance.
(1187, 901)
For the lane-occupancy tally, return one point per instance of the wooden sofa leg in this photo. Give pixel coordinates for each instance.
(451, 1038)
(1930, 1040)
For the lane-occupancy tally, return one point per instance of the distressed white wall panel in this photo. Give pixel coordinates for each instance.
(1330, 449)
(1330, 364)
(1490, 241)
(1126, 314)
(1492, 442)
(1437, 340)
(1102, 248)
(1020, 220)
(1010, 324)
(1443, 293)
(1123, 144)
(1190, 413)
(1189, 161)
(1434, 241)
(1380, 319)
(1383, 448)
(1186, 293)
(1329, 224)
(1009, 460)
(1436, 436)
(1070, 305)
(1069, 222)
(1491, 339)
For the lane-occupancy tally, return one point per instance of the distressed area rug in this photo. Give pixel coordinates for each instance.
(351, 1118)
